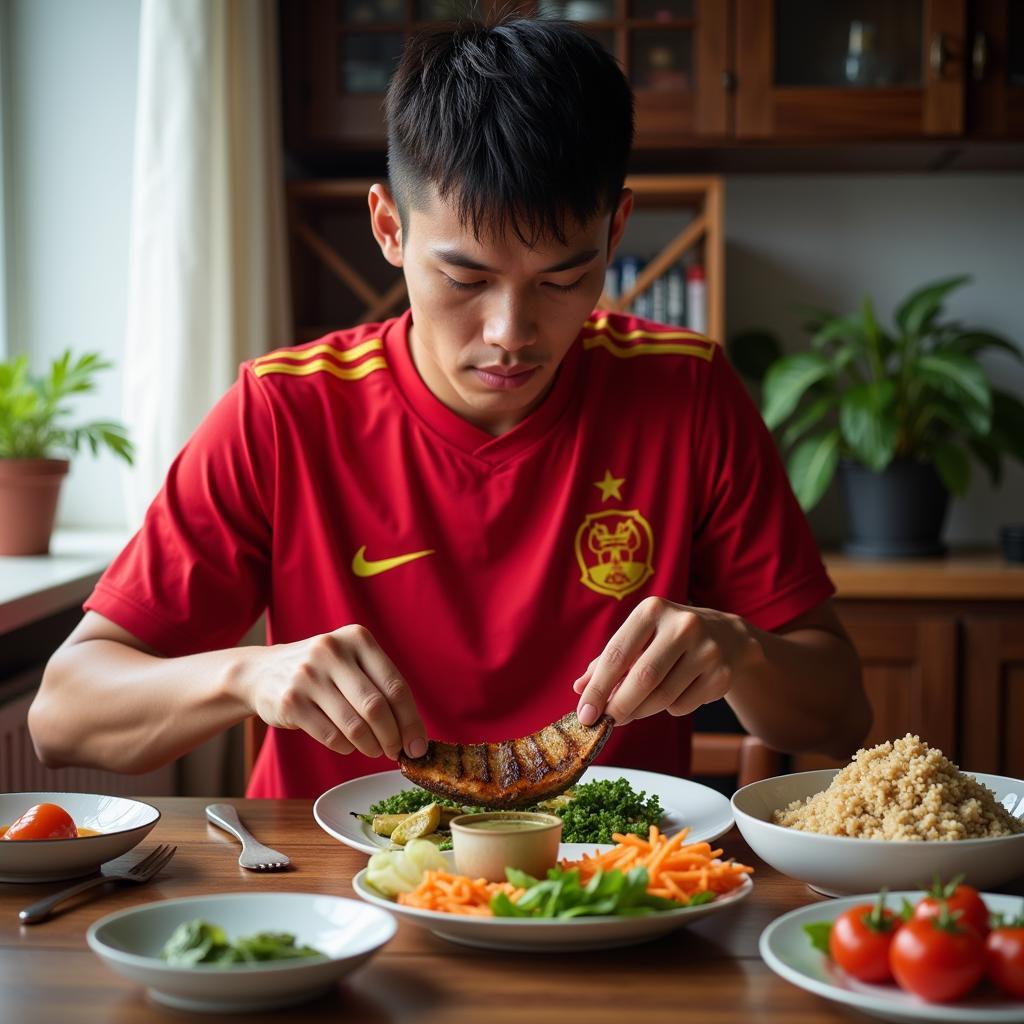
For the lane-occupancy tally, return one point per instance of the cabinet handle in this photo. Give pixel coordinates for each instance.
(979, 56)
(729, 81)
(937, 54)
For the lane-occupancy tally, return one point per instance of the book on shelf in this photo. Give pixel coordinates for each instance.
(678, 298)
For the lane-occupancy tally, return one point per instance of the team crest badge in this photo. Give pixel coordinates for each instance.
(614, 550)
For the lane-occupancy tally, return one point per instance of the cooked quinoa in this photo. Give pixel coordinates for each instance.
(902, 789)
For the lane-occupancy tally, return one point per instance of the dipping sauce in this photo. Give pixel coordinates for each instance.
(504, 824)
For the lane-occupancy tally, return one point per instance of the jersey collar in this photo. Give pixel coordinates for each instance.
(461, 433)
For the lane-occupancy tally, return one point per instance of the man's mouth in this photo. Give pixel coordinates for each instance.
(505, 378)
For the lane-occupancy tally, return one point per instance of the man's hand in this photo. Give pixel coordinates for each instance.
(665, 657)
(341, 689)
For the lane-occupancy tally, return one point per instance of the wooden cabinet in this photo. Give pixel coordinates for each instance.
(706, 73)
(871, 69)
(942, 647)
(338, 56)
(996, 69)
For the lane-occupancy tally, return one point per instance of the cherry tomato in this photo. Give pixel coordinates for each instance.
(1004, 949)
(937, 958)
(963, 901)
(44, 821)
(860, 939)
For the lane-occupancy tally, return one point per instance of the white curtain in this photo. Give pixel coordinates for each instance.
(208, 281)
(208, 276)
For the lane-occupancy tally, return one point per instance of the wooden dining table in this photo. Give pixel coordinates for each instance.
(710, 971)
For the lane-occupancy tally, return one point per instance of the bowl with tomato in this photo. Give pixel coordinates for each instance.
(948, 954)
(843, 865)
(48, 836)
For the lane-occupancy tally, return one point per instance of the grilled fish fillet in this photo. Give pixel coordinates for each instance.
(515, 773)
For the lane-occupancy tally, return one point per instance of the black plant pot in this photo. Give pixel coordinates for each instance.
(898, 513)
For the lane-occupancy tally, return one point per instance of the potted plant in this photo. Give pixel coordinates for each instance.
(36, 440)
(899, 412)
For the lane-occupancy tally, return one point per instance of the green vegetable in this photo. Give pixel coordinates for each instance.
(560, 895)
(199, 942)
(606, 806)
(818, 932)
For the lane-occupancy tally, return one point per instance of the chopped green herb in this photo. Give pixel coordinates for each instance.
(605, 806)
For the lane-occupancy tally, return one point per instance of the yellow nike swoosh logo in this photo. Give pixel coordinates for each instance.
(362, 566)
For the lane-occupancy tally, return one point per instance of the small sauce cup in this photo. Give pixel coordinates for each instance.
(485, 844)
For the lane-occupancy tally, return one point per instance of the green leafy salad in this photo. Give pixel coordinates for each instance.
(562, 896)
(199, 942)
(591, 812)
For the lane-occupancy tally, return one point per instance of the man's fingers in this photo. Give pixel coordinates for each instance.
(580, 685)
(313, 721)
(613, 664)
(654, 681)
(401, 728)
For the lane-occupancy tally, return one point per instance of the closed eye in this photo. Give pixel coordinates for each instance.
(565, 287)
(462, 286)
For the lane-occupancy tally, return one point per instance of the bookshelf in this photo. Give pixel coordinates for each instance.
(339, 278)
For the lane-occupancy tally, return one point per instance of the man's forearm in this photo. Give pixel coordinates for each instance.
(103, 704)
(803, 693)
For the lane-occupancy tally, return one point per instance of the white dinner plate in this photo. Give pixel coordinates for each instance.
(705, 811)
(346, 931)
(550, 936)
(787, 950)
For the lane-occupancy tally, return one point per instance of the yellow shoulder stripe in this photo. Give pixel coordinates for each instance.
(661, 349)
(323, 366)
(681, 335)
(341, 355)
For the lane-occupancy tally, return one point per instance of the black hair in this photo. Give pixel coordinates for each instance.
(523, 125)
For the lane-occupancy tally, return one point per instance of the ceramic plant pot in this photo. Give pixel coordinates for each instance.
(898, 513)
(29, 489)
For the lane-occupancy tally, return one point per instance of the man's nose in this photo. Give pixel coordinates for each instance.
(510, 323)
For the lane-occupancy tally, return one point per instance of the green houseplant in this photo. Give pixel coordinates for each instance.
(36, 439)
(900, 412)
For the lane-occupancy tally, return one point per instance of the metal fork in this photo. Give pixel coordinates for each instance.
(143, 871)
(255, 856)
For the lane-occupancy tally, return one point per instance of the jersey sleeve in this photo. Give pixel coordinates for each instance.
(754, 554)
(196, 575)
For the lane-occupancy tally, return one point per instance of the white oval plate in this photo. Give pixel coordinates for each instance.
(705, 811)
(787, 950)
(549, 936)
(347, 931)
(123, 823)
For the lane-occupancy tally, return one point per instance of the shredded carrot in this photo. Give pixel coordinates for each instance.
(675, 871)
(456, 894)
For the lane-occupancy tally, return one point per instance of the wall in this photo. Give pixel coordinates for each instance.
(71, 114)
(828, 241)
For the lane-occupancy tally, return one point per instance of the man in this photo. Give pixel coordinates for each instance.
(453, 515)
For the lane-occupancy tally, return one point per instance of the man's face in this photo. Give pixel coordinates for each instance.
(493, 319)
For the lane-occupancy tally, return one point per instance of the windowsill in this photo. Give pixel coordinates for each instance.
(34, 587)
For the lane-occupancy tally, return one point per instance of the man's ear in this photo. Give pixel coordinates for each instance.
(385, 223)
(618, 221)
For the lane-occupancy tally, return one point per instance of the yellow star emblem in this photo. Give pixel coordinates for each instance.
(610, 486)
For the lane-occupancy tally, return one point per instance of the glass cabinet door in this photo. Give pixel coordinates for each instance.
(996, 79)
(870, 69)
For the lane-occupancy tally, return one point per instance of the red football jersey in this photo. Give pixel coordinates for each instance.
(330, 486)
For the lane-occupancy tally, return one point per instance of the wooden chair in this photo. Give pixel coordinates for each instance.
(725, 753)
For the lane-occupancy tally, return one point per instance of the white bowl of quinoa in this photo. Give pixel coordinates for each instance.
(897, 815)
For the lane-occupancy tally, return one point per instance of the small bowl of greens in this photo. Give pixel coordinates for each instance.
(240, 952)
